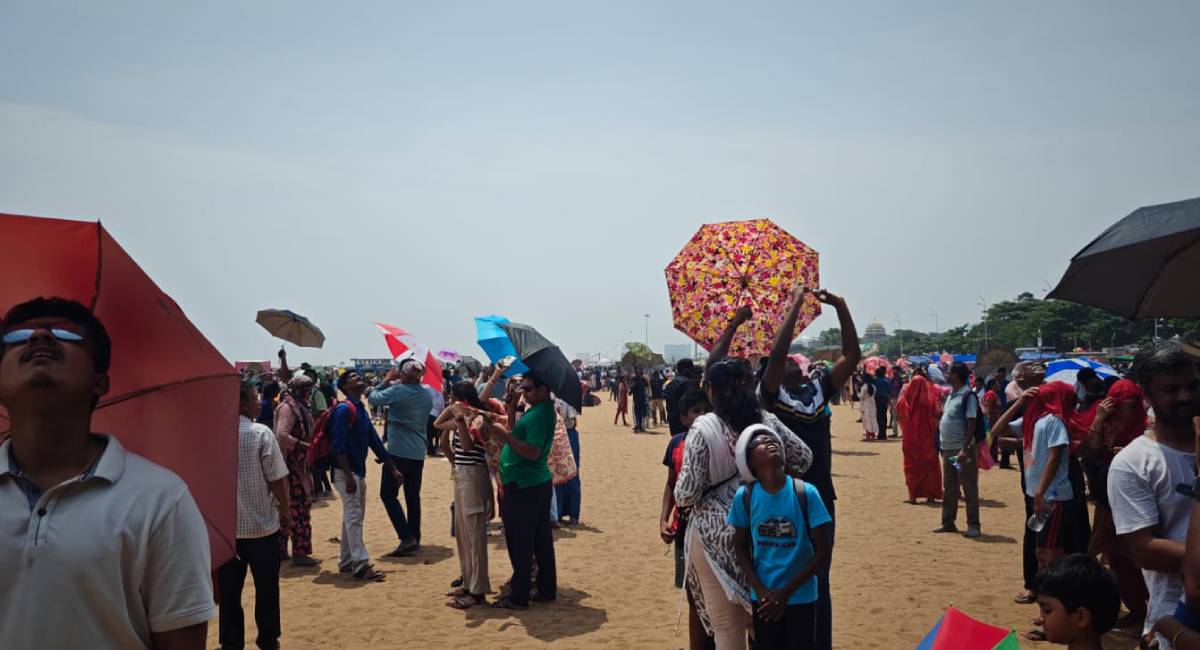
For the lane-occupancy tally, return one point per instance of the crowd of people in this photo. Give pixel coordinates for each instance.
(749, 500)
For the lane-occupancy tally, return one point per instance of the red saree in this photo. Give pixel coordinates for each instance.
(918, 411)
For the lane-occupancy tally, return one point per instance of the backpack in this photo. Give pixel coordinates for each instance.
(322, 443)
(799, 485)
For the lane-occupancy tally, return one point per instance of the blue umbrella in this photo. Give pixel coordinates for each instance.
(496, 344)
(1065, 370)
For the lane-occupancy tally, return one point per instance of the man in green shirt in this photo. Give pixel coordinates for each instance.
(527, 490)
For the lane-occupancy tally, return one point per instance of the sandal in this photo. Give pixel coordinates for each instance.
(465, 602)
(1035, 635)
(1024, 598)
(458, 593)
(370, 574)
(457, 582)
(505, 603)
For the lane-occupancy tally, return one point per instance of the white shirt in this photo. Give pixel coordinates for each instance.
(439, 401)
(1141, 489)
(259, 462)
(102, 561)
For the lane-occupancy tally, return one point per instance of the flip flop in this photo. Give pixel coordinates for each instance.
(1035, 635)
(458, 593)
(369, 574)
(1024, 598)
(466, 602)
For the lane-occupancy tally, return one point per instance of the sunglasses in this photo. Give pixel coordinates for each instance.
(64, 331)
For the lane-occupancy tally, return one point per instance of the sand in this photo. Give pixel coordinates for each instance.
(891, 577)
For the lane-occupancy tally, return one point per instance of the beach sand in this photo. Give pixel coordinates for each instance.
(891, 577)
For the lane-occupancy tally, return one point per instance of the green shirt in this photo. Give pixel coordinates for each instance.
(319, 404)
(535, 428)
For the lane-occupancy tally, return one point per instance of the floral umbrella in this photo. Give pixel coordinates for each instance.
(740, 263)
(875, 362)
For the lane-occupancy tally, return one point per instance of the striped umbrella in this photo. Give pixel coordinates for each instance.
(1065, 370)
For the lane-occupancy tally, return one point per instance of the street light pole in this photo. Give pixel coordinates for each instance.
(647, 316)
(983, 304)
(900, 326)
(936, 328)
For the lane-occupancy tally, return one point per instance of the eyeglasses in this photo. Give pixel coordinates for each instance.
(64, 331)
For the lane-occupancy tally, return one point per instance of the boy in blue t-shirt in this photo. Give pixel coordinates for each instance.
(778, 549)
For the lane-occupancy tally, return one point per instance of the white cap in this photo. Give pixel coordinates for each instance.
(743, 441)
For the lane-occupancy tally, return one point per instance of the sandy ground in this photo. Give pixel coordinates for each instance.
(891, 577)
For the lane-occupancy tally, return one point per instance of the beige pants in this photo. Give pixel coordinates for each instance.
(728, 618)
(472, 495)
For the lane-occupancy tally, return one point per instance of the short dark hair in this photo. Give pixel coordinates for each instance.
(247, 389)
(68, 310)
(1085, 374)
(881, 371)
(465, 391)
(685, 366)
(691, 397)
(1079, 581)
(1160, 358)
(534, 379)
(960, 370)
(346, 375)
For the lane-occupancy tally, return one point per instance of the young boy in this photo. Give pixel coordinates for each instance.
(672, 523)
(1079, 601)
(781, 541)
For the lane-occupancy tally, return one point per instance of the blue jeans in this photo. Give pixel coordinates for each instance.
(568, 494)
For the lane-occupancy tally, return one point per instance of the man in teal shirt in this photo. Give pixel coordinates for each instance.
(408, 405)
(527, 489)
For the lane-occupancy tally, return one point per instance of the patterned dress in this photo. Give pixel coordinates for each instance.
(294, 423)
(706, 485)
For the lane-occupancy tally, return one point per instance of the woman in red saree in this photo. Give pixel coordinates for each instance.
(918, 410)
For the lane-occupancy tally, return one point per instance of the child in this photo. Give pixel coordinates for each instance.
(1079, 601)
(781, 541)
(673, 523)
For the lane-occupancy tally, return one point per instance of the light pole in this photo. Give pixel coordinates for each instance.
(936, 328)
(983, 305)
(900, 326)
(647, 341)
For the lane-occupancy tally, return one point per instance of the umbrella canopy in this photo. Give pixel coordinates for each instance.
(292, 327)
(446, 355)
(729, 265)
(957, 631)
(1144, 266)
(987, 363)
(544, 358)
(495, 342)
(1065, 370)
(402, 346)
(633, 360)
(173, 397)
(875, 362)
(471, 364)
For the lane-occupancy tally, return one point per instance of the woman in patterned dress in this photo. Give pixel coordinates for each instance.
(294, 431)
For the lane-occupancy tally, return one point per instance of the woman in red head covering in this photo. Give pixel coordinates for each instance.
(918, 410)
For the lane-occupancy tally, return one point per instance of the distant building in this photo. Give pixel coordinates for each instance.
(875, 332)
(676, 351)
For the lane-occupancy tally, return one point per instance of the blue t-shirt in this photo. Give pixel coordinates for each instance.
(408, 417)
(1048, 433)
(781, 547)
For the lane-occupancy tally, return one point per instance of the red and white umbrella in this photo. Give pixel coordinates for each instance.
(402, 346)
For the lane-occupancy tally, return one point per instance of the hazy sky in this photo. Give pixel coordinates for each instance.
(420, 164)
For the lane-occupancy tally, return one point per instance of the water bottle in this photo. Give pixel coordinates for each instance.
(1038, 521)
(957, 465)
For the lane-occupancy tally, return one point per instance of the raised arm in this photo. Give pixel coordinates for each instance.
(777, 363)
(720, 349)
(851, 353)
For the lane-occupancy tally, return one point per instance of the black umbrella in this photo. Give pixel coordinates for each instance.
(1144, 266)
(547, 361)
(471, 364)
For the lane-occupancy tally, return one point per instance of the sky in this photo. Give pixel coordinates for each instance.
(423, 163)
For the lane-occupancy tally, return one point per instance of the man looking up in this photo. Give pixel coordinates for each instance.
(406, 433)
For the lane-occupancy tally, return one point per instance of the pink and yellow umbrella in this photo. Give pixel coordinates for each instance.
(875, 362)
(733, 264)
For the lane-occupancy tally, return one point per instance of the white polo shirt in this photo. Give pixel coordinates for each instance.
(101, 560)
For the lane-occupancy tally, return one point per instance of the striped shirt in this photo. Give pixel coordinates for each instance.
(478, 453)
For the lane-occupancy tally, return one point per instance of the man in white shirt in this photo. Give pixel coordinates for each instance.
(99, 547)
(262, 509)
(1150, 514)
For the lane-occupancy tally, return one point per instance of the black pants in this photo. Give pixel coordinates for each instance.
(261, 554)
(1029, 564)
(881, 415)
(431, 432)
(795, 631)
(408, 529)
(526, 516)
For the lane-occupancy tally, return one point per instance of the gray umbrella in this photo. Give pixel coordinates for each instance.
(471, 364)
(1144, 266)
(545, 359)
(291, 327)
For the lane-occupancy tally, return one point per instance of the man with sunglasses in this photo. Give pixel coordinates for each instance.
(99, 547)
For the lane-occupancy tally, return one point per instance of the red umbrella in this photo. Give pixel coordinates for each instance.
(174, 398)
(401, 343)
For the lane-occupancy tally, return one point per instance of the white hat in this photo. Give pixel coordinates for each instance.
(743, 441)
(412, 367)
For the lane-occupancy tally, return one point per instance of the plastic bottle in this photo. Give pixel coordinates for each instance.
(1038, 521)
